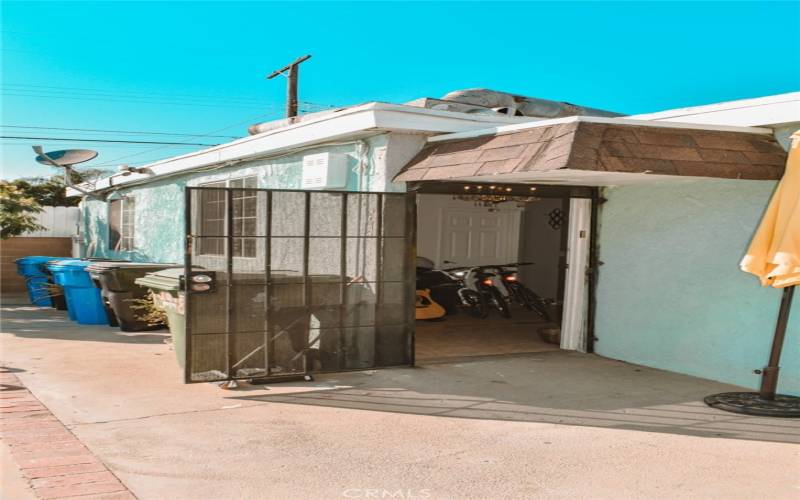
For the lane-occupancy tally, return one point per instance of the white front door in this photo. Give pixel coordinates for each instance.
(475, 236)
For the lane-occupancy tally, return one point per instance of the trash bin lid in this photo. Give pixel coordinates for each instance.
(36, 259)
(105, 266)
(63, 264)
(168, 279)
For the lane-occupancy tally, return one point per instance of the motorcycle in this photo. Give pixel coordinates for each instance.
(479, 290)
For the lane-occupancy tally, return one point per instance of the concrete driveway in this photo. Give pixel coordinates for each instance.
(544, 425)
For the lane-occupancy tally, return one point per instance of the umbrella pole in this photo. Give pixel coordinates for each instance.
(765, 403)
(769, 379)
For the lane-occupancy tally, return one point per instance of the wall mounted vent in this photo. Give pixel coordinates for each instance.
(324, 171)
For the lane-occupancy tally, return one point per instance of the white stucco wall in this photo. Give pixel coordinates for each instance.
(670, 293)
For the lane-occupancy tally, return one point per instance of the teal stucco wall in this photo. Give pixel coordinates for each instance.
(158, 223)
(159, 215)
(670, 293)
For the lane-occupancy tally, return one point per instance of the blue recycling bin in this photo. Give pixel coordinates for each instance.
(36, 281)
(84, 302)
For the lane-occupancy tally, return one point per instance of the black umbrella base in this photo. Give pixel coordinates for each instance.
(750, 403)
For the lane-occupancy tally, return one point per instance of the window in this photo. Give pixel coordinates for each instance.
(213, 211)
(244, 217)
(212, 219)
(121, 224)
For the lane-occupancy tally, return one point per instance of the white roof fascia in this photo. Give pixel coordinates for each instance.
(316, 130)
(594, 119)
(759, 111)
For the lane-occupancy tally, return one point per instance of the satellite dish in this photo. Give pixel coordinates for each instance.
(66, 157)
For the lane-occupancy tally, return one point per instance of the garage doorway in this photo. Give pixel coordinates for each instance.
(457, 230)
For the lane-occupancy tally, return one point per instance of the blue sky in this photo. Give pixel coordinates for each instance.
(194, 68)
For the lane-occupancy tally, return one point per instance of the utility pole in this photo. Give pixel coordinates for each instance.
(292, 73)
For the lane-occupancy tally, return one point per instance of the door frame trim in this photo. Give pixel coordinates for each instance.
(587, 337)
(574, 332)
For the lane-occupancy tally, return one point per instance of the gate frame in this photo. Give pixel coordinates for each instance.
(410, 235)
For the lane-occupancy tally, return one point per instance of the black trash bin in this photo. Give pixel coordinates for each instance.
(116, 280)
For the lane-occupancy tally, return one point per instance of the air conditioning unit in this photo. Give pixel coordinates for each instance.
(324, 171)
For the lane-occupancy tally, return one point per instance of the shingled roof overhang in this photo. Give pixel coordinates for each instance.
(598, 152)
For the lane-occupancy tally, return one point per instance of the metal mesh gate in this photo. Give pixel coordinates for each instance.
(283, 282)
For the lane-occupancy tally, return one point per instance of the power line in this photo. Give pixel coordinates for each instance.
(132, 96)
(93, 92)
(134, 101)
(79, 139)
(115, 160)
(133, 164)
(131, 132)
(42, 88)
(145, 101)
(123, 146)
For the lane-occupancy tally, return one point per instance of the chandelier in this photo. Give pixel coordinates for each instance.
(490, 196)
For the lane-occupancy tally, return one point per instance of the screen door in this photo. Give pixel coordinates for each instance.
(284, 282)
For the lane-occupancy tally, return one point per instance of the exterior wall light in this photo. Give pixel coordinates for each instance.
(202, 281)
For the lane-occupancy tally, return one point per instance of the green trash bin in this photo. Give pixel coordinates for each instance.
(116, 281)
(168, 296)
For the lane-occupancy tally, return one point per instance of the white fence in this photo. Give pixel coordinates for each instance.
(59, 222)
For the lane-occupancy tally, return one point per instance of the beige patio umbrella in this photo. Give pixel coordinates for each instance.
(774, 257)
(774, 253)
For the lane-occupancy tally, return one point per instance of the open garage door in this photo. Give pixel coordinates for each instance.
(284, 282)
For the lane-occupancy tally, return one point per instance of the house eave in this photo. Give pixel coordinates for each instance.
(352, 122)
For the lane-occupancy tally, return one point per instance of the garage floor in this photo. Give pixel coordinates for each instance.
(461, 336)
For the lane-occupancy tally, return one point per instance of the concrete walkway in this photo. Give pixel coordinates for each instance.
(543, 425)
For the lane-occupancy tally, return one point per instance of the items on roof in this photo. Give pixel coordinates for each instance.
(493, 102)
